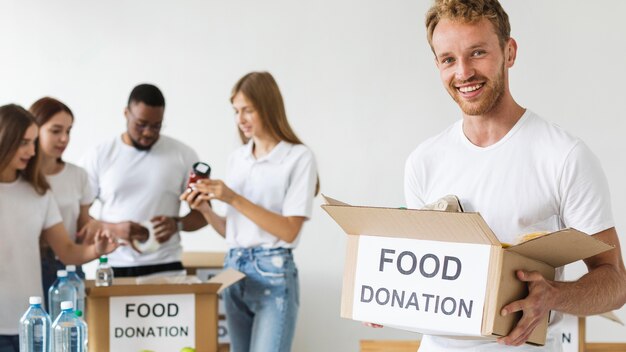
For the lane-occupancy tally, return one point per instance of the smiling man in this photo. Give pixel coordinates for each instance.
(521, 172)
(138, 177)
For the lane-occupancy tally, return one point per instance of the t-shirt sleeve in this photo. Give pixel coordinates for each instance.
(90, 164)
(53, 216)
(412, 194)
(300, 193)
(87, 193)
(585, 197)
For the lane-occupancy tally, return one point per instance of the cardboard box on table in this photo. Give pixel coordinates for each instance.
(443, 273)
(156, 314)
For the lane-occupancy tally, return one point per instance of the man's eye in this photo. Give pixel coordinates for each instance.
(447, 60)
(478, 53)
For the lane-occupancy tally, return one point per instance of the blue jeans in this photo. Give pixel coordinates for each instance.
(9, 343)
(262, 308)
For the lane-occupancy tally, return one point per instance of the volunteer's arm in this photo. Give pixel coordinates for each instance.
(87, 226)
(72, 253)
(166, 226)
(601, 290)
(200, 202)
(285, 228)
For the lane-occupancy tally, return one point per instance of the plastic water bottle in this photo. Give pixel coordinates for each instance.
(79, 284)
(84, 329)
(61, 290)
(35, 328)
(104, 273)
(67, 335)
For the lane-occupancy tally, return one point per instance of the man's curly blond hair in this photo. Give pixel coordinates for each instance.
(469, 11)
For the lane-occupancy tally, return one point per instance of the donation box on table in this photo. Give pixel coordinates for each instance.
(157, 314)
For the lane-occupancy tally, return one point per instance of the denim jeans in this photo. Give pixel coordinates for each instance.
(262, 308)
(9, 343)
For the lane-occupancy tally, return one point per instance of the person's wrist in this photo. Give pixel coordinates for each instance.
(96, 251)
(179, 223)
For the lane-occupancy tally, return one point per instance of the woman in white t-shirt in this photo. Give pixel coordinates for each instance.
(27, 211)
(69, 183)
(269, 191)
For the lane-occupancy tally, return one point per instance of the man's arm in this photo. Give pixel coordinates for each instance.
(602, 289)
(166, 226)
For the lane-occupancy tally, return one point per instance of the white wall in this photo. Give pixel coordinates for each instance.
(360, 86)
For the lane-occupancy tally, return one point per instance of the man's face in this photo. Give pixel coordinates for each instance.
(471, 63)
(143, 124)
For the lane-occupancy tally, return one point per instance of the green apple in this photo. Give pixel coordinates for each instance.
(188, 349)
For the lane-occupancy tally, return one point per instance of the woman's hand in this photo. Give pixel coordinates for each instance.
(105, 243)
(196, 200)
(215, 189)
(88, 232)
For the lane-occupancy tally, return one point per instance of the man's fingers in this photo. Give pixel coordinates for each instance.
(529, 276)
(515, 306)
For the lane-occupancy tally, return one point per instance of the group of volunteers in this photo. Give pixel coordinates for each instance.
(500, 159)
(140, 177)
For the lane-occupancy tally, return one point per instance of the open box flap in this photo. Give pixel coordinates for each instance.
(226, 278)
(561, 247)
(409, 223)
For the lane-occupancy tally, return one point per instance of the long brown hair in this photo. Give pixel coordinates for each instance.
(262, 91)
(14, 121)
(45, 108)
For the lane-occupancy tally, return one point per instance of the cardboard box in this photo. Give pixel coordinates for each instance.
(442, 273)
(192, 261)
(160, 314)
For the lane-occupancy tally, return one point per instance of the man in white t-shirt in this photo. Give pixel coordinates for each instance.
(522, 173)
(138, 177)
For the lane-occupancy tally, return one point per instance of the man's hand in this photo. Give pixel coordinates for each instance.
(164, 228)
(541, 297)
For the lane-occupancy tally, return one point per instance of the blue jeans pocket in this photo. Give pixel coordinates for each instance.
(274, 266)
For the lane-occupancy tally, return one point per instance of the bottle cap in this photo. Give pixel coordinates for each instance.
(70, 268)
(104, 259)
(202, 169)
(67, 305)
(78, 313)
(34, 300)
(61, 273)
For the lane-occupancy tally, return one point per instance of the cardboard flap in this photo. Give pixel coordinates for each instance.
(332, 201)
(226, 278)
(561, 247)
(612, 317)
(409, 223)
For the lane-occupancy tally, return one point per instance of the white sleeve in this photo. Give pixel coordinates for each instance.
(53, 216)
(584, 190)
(90, 164)
(87, 193)
(301, 189)
(412, 194)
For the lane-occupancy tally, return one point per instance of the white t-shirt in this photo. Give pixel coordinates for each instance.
(138, 185)
(24, 214)
(282, 182)
(71, 190)
(536, 178)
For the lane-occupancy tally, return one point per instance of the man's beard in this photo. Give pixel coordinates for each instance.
(140, 146)
(492, 94)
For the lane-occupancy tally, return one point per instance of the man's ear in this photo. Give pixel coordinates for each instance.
(510, 52)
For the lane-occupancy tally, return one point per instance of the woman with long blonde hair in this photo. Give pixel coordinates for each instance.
(272, 180)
